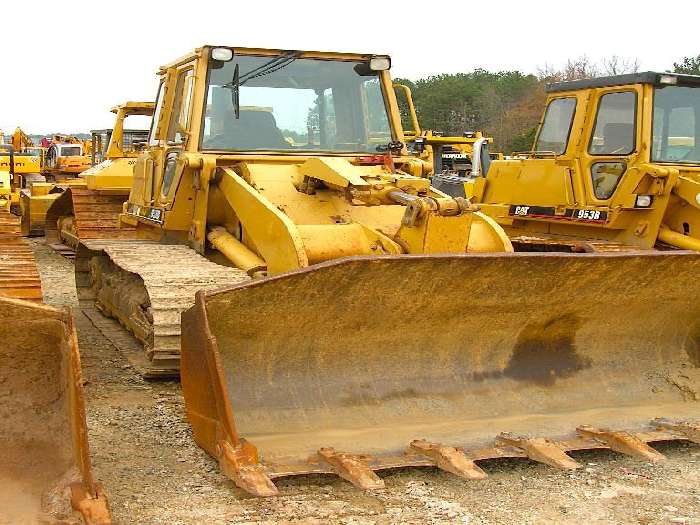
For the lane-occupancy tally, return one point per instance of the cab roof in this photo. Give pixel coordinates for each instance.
(648, 77)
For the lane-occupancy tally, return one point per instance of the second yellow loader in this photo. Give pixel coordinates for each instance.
(90, 206)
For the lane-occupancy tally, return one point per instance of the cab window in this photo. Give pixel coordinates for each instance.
(605, 177)
(614, 131)
(152, 139)
(676, 129)
(554, 133)
(180, 120)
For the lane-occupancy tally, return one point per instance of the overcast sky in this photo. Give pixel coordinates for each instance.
(65, 64)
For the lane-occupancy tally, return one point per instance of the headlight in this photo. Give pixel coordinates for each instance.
(222, 54)
(379, 63)
(669, 80)
(643, 201)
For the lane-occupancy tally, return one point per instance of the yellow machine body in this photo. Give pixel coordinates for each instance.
(369, 320)
(351, 204)
(66, 157)
(24, 163)
(5, 189)
(10, 184)
(616, 176)
(45, 472)
(29, 159)
(34, 203)
(445, 156)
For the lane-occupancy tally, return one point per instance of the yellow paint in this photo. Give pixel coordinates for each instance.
(565, 182)
(292, 210)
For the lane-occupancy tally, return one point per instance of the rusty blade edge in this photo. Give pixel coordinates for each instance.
(409, 459)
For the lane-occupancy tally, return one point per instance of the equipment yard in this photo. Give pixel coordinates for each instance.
(154, 473)
(303, 277)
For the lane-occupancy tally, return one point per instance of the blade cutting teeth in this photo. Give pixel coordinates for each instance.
(449, 459)
(689, 430)
(622, 442)
(539, 449)
(352, 468)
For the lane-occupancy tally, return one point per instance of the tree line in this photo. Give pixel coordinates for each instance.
(506, 105)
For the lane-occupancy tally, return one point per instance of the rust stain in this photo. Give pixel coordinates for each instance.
(545, 352)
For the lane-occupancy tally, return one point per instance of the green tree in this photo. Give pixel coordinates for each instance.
(478, 100)
(688, 65)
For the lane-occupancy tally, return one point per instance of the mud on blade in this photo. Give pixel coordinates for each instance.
(362, 357)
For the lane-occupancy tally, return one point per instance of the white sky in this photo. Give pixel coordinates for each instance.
(65, 64)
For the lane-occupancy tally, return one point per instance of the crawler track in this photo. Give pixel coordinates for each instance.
(19, 277)
(95, 216)
(146, 286)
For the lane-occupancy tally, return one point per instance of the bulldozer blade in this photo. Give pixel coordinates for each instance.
(444, 361)
(45, 472)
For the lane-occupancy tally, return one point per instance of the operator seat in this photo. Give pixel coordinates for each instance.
(618, 138)
(254, 129)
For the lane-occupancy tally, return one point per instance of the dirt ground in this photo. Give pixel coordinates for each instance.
(144, 455)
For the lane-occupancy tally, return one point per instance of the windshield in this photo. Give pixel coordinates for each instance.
(297, 104)
(70, 151)
(676, 120)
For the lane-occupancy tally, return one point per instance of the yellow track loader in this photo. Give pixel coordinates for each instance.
(615, 166)
(45, 472)
(330, 311)
(93, 202)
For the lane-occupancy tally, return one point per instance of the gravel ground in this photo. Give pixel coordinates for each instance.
(144, 455)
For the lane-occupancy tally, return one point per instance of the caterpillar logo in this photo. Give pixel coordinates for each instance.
(549, 213)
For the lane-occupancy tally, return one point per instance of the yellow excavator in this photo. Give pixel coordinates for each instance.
(615, 167)
(29, 157)
(66, 157)
(24, 161)
(99, 192)
(330, 312)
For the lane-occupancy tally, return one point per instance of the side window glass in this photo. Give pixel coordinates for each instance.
(180, 120)
(614, 131)
(169, 173)
(605, 177)
(152, 140)
(554, 134)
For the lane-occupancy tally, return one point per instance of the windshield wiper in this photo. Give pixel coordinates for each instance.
(271, 66)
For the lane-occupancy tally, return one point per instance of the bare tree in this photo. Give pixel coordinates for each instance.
(584, 67)
(617, 65)
(574, 69)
